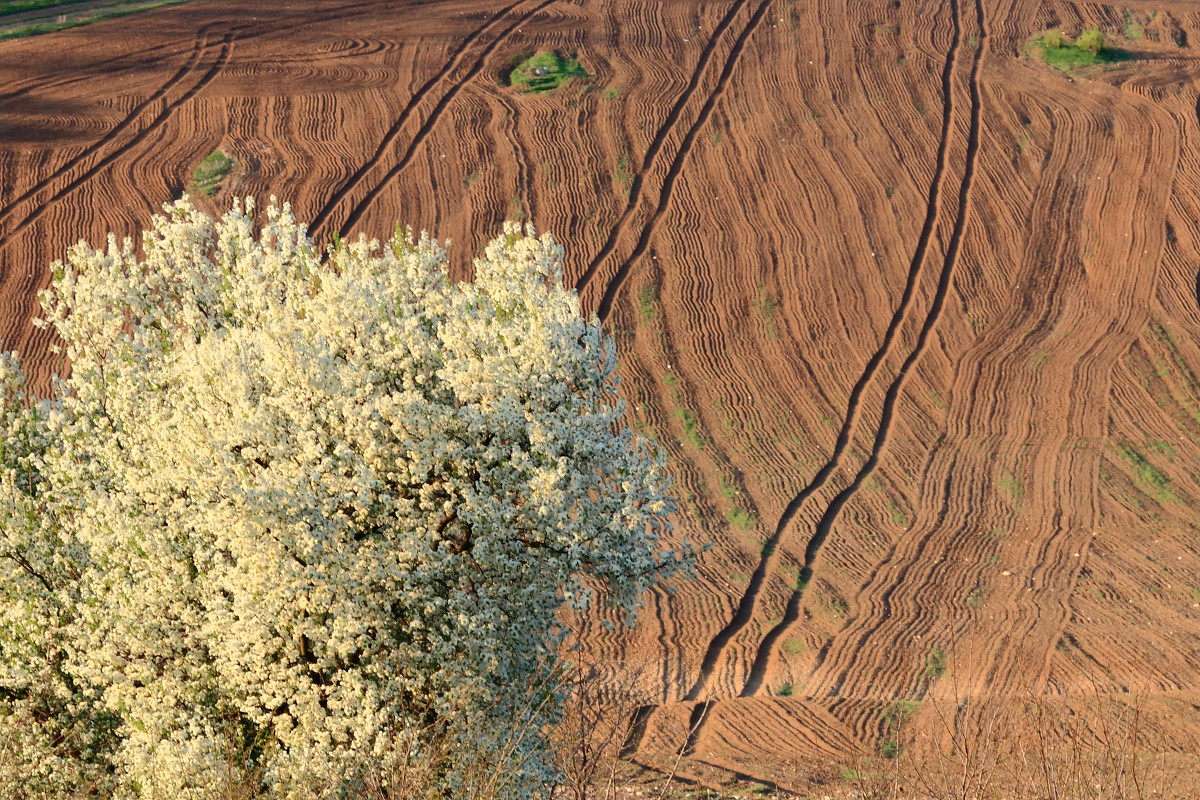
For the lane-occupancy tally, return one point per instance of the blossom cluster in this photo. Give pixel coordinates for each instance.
(290, 505)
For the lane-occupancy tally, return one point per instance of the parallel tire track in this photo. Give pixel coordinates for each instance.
(451, 64)
(434, 116)
(218, 64)
(199, 45)
(792, 611)
(656, 144)
(676, 168)
(746, 606)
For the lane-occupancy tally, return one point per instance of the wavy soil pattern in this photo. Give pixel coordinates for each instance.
(913, 314)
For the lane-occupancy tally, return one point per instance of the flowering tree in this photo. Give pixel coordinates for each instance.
(289, 507)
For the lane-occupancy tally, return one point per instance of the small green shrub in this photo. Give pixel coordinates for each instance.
(1091, 40)
(786, 690)
(1054, 39)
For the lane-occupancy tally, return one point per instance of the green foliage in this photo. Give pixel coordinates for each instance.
(1054, 39)
(1091, 41)
(1012, 484)
(786, 690)
(545, 72)
(728, 491)
(19, 6)
(1147, 477)
(1133, 27)
(793, 647)
(691, 428)
(900, 711)
(212, 170)
(621, 175)
(647, 303)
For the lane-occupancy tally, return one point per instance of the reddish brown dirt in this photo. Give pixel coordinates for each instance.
(914, 314)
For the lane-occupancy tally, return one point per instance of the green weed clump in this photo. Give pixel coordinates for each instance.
(545, 72)
(212, 170)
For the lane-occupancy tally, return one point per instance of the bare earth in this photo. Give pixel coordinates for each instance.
(914, 314)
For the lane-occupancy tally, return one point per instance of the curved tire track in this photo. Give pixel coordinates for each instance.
(792, 612)
(656, 144)
(676, 168)
(434, 116)
(200, 44)
(746, 607)
(452, 64)
(219, 64)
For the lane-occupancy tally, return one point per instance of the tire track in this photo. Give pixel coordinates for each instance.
(434, 116)
(676, 168)
(656, 144)
(451, 64)
(222, 59)
(821, 533)
(199, 45)
(746, 607)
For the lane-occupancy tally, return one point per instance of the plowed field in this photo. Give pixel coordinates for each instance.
(914, 313)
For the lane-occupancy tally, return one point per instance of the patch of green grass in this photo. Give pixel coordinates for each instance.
(111, 11)
(1067, 56)
(691, 428)
(786, 690)
(1162, 448)
(612, 93)
(740, 519)
(935, 663)
(1011, 484)
(212, 170)
(727, 490)
(545, 72)
(18, 6)
(793, 647)
(1132, 28)
(900, 711)
(621, 175)
(1146, 476)
(647, 304)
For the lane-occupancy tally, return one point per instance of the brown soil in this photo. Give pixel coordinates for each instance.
(914, 314)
